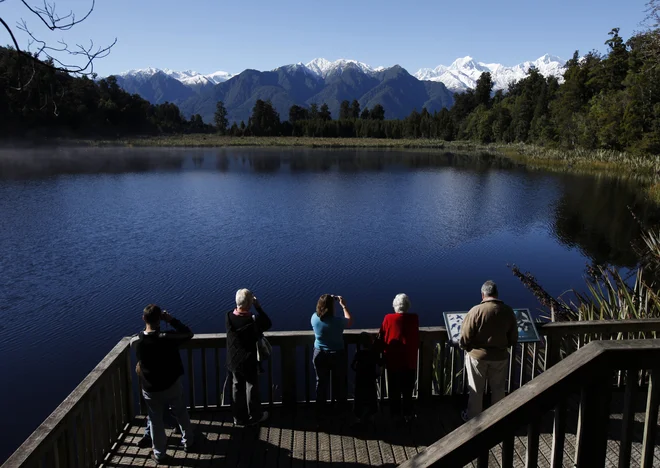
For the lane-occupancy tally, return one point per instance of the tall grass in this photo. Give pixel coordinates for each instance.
(579, 157)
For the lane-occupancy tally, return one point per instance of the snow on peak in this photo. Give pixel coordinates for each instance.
(187, 77)
(319, 66)
(323, 67)
(464, 62)
(141, 72)
(464, 72)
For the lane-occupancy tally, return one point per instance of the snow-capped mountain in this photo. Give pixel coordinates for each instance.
(322, 67)
(188, 77)
(460, 76)
(464, 72)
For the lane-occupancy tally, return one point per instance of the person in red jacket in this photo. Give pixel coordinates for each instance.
(400, 337)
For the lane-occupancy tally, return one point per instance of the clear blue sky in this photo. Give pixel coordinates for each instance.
(206, 36)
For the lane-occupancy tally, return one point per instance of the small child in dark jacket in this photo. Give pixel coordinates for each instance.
(366, 365)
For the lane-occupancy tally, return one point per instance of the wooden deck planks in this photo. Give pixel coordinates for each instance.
(292, 439)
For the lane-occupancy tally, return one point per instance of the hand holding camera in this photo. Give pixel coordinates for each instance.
(166, 317)
(342, 301)
(255, 302)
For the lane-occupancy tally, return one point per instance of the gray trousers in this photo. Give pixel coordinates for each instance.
(156, 404)
(245, 395)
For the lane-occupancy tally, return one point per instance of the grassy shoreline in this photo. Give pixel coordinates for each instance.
(218, 141)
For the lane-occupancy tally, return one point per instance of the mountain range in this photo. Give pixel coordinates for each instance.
(322, 81)
(464, 72)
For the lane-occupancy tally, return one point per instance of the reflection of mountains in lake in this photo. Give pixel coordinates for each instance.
(49, 162)
(590, 213)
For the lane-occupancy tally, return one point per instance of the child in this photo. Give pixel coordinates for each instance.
(366, 365)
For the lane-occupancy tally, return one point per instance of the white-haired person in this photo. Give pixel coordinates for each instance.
(488, 330)
(243, 331)
(400, 340)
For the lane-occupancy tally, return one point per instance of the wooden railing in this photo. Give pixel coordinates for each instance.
(289, 374)
(82, 430)
(588, 372)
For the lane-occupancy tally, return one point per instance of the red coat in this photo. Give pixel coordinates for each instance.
(400, 333)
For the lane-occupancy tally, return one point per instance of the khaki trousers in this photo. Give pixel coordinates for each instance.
(480, 371)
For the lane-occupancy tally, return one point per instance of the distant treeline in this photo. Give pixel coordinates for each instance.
(609, 101)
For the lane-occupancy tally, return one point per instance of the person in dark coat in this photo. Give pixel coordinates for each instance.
(366, 365)
(244, 329)
(160, 370)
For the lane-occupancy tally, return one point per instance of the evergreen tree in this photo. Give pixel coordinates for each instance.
(616, 64)
(355, 109)
(297, 113)
(345, 110)
(220, 118)
(264, 121)
(313, 111)
(377, 112)
(324, 113)
(365, 114)
(483, 89)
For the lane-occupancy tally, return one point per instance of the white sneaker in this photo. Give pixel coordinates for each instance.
(464, 415)
(263, 417)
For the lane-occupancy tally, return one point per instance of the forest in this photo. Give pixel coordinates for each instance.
(37, 100)
(609, 101)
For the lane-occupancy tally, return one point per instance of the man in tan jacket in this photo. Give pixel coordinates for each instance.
(488, 330)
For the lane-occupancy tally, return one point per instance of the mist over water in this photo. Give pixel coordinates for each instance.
(90, 236)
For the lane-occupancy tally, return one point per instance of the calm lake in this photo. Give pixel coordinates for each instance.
(90, 236)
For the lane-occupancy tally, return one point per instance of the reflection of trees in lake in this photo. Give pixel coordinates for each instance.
(265, 163)
(49, 162)
(370, 160)
(222, 162)
(593, 215)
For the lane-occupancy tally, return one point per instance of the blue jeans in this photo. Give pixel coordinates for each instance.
(324, 363)
(156, 403)
(168, 419)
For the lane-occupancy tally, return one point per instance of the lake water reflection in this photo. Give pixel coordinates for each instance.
(90, 236)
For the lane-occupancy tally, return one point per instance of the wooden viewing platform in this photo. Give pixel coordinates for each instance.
(586, 396)
(292, 439)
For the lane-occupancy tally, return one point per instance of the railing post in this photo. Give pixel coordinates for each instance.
(628, 418)
(128, 391)
(651, 419)
(532, 453)
(424, 390)
(593, 420)
(440, 369)
(507, 451)
(552, 351)
(558, 435)
(288, 356)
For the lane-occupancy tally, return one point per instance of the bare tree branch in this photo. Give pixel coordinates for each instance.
(48, 51)
(52, 20)
(47, 54)
(11, 33)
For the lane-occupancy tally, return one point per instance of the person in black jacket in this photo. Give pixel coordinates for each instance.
(160, 369)
(366, 365)
(243, 331)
